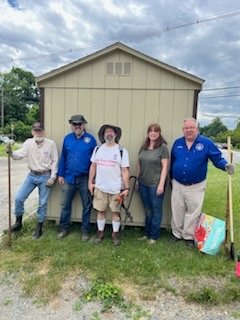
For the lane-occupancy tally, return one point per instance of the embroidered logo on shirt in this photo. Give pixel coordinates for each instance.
(87, 139)
(199, 146)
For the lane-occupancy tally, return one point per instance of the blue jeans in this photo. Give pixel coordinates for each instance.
(68, 193)
(153, 210)
(30, 183)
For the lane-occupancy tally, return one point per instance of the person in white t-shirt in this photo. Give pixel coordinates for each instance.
(109, 179)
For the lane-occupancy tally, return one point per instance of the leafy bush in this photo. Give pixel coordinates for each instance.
(21, 131)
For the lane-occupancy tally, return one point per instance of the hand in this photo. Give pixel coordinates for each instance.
(50, 182)
(160, 190)
(91, 187)
(61, 180)
(124, 193)
(8, 149)
(230, 168)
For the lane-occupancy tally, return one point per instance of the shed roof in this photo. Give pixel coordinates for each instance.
(124, 48)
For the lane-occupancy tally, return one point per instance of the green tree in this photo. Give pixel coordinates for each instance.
(19, 95)
(214, 128)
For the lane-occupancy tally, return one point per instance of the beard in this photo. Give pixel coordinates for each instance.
(109, 138)
(39, 139)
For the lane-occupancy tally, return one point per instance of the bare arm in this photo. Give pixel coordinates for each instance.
(92, 174)
(125, 177)
(160, 188)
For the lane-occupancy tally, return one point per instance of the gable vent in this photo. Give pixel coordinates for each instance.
(119, 68)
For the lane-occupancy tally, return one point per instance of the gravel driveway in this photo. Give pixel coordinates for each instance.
(18, 172)
(67, 306)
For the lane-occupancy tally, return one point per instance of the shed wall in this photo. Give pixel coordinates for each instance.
(149, 94)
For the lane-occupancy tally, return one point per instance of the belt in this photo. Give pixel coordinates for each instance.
(191, 184)
(40, 173)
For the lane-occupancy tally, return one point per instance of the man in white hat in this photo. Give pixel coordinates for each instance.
(109, 179)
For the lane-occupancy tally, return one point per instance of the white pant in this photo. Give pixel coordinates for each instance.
(186, 204)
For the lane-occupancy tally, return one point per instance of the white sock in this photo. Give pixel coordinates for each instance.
(115, 225)
(101, 224)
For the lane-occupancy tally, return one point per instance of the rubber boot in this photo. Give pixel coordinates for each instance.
(38, 231)
(18, 224)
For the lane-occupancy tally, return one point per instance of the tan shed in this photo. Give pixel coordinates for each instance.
(121, 86)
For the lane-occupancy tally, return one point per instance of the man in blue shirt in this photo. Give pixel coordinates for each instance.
(188, 171)
(73, 173)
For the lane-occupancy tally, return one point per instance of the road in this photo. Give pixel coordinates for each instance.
(18, 171)
(236, 155)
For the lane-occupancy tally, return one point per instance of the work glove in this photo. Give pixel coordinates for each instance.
(230, 168)
(8, 149)
(50, 182)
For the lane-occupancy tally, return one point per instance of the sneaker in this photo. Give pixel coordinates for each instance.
(152, 241)
(143, 238)
(116, 238)
(190, 243)
(62, 234)
(99, 237)
(85, 237)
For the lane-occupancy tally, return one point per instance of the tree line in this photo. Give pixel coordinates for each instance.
(218, 132)
(20, 100)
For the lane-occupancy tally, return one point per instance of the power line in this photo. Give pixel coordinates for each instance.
(225, 96)
(131, 36)
(221, 88)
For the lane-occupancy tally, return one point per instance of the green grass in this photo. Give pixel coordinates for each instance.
(42, 266)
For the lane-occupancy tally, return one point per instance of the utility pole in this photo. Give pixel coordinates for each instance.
(2, 109)
(2, 104)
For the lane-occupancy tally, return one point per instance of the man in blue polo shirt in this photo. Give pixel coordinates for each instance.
(189, 161)
(73, 172)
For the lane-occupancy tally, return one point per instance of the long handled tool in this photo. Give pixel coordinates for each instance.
(9, 201)
(230, 206)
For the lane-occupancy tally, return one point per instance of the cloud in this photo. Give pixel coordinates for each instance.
(200, 37)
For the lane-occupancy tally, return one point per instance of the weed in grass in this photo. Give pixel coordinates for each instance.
(78, 305)
(205, 295)
(107, 293)
(135, 312)
(7, 302)
(231, 293)
(236, 315)
(95, 316)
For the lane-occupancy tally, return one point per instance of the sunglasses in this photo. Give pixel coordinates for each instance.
(77, 123)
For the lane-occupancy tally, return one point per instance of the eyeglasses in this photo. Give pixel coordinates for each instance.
(77, 124)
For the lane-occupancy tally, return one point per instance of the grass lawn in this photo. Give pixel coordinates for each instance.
(42, 266)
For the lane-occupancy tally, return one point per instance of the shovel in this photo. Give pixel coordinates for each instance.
(229, 210)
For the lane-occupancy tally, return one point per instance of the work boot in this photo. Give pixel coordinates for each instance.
(99, 237)
(38, 231)
(85, 236)
(18, 224)
(116, 238)
(62, 234)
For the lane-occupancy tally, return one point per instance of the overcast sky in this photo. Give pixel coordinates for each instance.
(201, 37)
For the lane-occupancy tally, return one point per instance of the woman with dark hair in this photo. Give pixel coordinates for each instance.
(152, 171)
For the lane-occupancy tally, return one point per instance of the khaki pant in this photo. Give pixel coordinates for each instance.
(186, 204)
